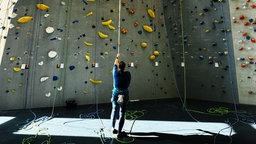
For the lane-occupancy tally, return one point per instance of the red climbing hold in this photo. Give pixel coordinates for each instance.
(248, 0)
(253, 40)
(237, 8)
(246, 23)
(241, 17)
(241, 48)
(243, 65)
(253, 6)
(250, 58)
(235, 21)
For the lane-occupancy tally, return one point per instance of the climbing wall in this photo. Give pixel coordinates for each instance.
(202, 50)
(243, 27)
(65, 50)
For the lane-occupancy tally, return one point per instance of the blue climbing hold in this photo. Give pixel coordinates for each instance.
(54, 78)
(140, 32)
(71, 67)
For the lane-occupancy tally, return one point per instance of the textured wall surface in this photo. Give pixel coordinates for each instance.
(243, 27)
(204, 61)
(76, 22)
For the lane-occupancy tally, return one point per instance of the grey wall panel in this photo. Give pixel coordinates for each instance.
(72, 27)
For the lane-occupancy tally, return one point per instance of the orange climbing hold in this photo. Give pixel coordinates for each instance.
(124, 31)
(244, 34)
(131, 11)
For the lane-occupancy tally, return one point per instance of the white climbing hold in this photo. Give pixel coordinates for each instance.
(41, 63)
(52, 54)
(59, 88)
(46, 15)
(49, 30)
(42, 79)
(62, 3)
(48, 94)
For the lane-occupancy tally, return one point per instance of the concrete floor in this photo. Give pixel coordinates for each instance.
(153, 122)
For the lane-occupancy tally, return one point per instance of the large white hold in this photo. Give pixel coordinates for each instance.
(52, 54)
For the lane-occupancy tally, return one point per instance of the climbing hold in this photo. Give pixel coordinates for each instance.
(152, 57)
(16, 69)
(95, 81)
(253, 6)
(90, 0)
(147, 28)
(241, 17)
(135, 24)
(102, 35)
(123, 3)
(54, 78)
(49, 30)
(131, 11)
(89, 13)
(156, 53)
(48, 94)
(42, 79)
(88, 43)
(71, 67)
(246, 23)
(59, 88)
(52, 54)
(124, 31)
(42, 7)
(250, 58)
(85, 92)
(143, 44)
(87, 57)
(12, 59)
(111, 27)
(151, 13)
(108, 22)
(243, 65)
(13, 90)
(244, 34)
(25, 19)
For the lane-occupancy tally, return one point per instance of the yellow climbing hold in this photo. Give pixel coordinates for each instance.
(151, 13)
(111, 27)
(25, 19)
(143, 44)
(95, 81)
(17, 69)
(9, 80)
(108, 22)
(147, 28)
(156, 53)
(90, 0)
(85, 92)
(152, 57)
(102, 35)
(89, 13)
(87, 57)
(42, 7)
(88, 43)
(20, 85)
(13, 90)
